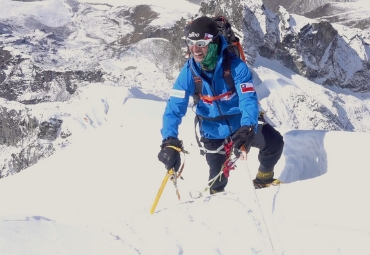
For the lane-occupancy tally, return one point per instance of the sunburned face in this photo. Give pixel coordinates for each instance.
(198, 52)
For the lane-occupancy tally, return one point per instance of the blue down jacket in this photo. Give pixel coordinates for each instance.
(242, 105)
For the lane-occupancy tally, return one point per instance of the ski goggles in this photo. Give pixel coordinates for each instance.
(200, 43)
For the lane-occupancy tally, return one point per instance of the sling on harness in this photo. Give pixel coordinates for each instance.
(230, 162)
(197, 96)
(226, 66)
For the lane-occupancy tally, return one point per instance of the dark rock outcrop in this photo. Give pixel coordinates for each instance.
(25, 77)
(20, 130)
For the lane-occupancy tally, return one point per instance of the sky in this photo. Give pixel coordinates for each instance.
(93, 196)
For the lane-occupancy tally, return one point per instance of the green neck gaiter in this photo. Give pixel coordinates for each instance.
(210, 60)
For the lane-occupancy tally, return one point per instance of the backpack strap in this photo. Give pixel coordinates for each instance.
(196, 123)
(196, 97)
(198, 86)
(226, 66)
(240, 50)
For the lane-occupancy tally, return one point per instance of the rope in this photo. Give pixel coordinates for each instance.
(259, 206)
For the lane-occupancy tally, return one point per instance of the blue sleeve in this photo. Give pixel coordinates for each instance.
(177, 104)
(248, 100)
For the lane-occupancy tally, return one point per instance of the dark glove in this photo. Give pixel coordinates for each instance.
(170, 157)
(243, 136)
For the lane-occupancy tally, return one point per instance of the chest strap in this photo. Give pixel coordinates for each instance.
(210, 99)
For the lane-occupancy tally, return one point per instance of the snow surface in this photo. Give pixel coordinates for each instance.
(52, 13)
(94, 194)
(171, 11)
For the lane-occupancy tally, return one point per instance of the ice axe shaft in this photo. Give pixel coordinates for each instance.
(161, 188)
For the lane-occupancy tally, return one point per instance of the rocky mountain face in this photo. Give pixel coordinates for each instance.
(324, 53)
(41, 63)
(34, 69)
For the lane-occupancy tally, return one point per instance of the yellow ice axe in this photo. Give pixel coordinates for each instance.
(169, 173)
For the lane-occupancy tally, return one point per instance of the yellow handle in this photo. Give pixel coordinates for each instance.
(161, 188)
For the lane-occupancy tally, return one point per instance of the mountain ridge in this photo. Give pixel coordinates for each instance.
(46, 64)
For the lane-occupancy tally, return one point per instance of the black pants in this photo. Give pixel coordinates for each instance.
(269, 142)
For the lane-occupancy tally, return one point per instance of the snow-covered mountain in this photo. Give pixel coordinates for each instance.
(351, 13)
(300, 6)
(51, 50)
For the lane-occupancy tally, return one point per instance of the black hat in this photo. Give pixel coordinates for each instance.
(203, 28)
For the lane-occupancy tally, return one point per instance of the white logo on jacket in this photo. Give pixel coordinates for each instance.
(177, 93)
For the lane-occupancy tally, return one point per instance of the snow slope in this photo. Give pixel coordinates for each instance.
(94, 196)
